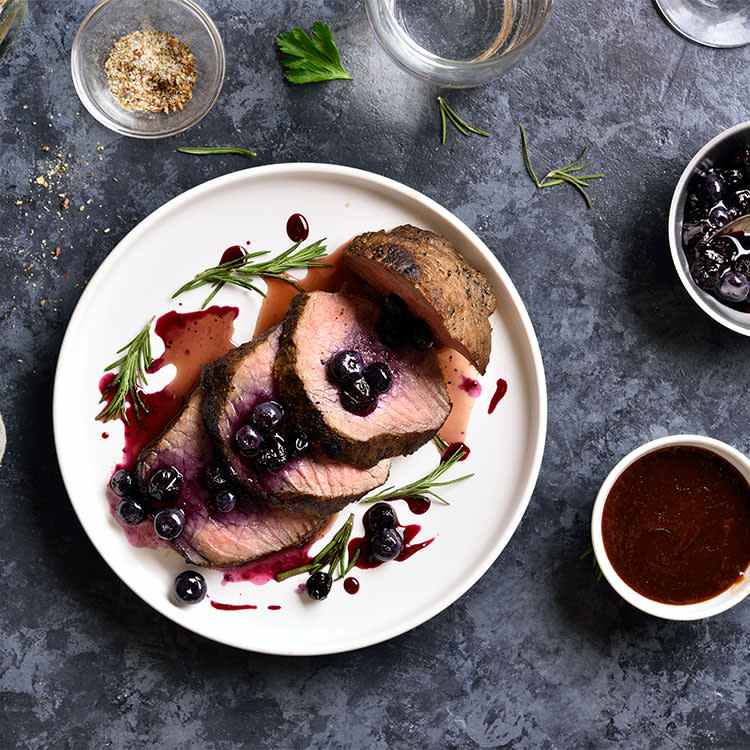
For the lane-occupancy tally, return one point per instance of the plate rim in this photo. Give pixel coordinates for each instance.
(361, 177)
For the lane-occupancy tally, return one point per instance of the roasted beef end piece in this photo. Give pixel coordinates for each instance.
(252, 530)
(232, 386)
(436, 283)
(317, 327)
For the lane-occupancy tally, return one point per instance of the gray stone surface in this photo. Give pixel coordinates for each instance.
(538, 654)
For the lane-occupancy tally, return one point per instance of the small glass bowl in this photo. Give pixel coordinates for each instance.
(112, 19)
(457, 44)
(718, 148)
(699, 610)
(12, 13)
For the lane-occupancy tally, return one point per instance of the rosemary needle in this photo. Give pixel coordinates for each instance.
(563, 174)
(200, 151)
(241, 271)
(461, 125)
(424, 487)
(131, 375)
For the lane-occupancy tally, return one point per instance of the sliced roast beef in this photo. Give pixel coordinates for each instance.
(425, 270)
(320, 324)
(252, 530)
(232, 387)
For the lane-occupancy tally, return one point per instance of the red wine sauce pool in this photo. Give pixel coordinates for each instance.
(297, 228)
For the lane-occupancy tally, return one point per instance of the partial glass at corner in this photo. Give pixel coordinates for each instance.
(457, 43)
(713, 23)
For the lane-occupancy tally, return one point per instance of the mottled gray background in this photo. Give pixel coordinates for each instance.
(538, 654)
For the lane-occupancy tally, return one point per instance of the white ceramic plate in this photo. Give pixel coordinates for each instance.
(188, 234)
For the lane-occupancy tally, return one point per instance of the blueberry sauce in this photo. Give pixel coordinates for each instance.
(454, 448)
(232, 607)
(500, 391)
(262, 571)
(105, 435)
(418, 505)
(366, 561)
(471, 386)
(351, 585)
(232, 253)
(274, 607)
(297, 228)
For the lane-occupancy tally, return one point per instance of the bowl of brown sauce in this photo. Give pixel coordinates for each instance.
(671, 527)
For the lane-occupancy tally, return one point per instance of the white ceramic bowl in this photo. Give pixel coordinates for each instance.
(716, 149)
(733, 595)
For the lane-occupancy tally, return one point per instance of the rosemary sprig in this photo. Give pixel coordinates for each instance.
(594, 563)
(132, 366)
(200, 151)
(240, 271)
(423, 487)
(461, 125)
(332, 555)
(563, 174)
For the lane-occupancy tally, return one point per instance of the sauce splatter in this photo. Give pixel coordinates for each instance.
(232, 607)
(454, 448)
(500, 391)
(418, 505)
(232, 253)
(351, 585)
(471, 386)
(297, 228)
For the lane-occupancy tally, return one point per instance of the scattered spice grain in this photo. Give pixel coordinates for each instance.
(151, 71)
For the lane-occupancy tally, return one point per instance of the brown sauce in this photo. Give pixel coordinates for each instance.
(676, 525)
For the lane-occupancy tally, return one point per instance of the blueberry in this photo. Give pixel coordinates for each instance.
(131, 511)
(380, 516)
(318, 585)
(709, 187)
(378, 377)
(267, 415)
(123, 483)
(214, 478)
(392, 331)
(720, 250)
(190, 587)
(706, 274)
(299, 443)
(738, 202)
(169, 523)
(346, 366)
(742, 265)
(733, 178)
(273, 453)
(386, 545)
(165, 484)
(358, 398)
(719, 216)
(420, 335)
(693, 233)
(395, 307)
(224, 501)
(733, 287)
(740, 160)
(247, 440)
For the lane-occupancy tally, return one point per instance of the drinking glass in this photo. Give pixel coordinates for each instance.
(457, 43)
(714, 23)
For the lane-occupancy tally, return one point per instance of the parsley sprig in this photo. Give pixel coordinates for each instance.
(202, 150)
(461, 125)
(311, 59)
(332, 555)
(563, 174)
(131, 375)
(424, 487)
(241, 271)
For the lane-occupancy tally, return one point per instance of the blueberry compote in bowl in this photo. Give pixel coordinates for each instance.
(713, 190)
